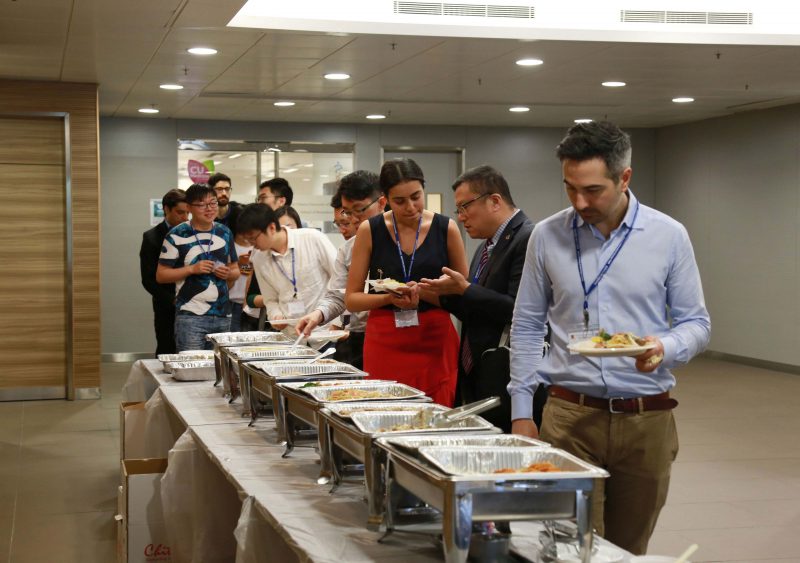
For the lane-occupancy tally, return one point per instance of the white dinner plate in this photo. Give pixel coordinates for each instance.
(386, 285)
(587, 348)
(327, 335)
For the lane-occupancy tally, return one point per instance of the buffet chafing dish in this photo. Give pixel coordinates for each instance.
(222, 340)
(460, 482)
(264, 376)
(232, 357)
(356, 438)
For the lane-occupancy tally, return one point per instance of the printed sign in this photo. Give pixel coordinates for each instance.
(200, 172)
(156, 212)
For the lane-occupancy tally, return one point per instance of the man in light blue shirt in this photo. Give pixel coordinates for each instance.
(608, 262)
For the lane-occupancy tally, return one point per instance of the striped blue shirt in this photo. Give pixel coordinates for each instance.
(652, 289)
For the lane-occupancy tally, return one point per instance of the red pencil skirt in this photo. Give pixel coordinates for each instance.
(424, 356)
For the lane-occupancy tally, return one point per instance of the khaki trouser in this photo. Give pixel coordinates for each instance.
(636, 449)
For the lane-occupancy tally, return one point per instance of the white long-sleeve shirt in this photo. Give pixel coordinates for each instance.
(332, 304)
(314, 255)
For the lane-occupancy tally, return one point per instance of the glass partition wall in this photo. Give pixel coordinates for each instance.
(312, 170)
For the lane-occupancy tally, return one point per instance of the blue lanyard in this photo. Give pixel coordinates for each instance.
(293, 279)
(406, 273)
(602, 272)
(207, 251)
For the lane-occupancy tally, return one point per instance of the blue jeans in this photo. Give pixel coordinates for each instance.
(191, 330)
(236, 316)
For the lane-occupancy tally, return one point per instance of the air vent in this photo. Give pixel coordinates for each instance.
(464, 10)
(674, 17)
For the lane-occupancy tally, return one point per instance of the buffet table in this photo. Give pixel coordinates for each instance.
(265, 507)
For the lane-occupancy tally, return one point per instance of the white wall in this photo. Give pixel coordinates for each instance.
(734, 183)
(138, 161)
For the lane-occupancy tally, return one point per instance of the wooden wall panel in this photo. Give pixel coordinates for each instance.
(79, 101)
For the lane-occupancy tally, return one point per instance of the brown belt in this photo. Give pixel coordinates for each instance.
(616, 405)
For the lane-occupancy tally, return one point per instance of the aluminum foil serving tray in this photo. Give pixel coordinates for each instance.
(414, 443)
(286, 369)
(271, 352)
(196, 370)
(481, 463)
(234, 338)
(420, 422)
(345, 410)
(387, 391)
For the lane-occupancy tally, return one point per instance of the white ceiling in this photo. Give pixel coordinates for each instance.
(130, 48)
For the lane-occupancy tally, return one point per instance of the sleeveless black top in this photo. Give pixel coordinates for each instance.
(431, 255)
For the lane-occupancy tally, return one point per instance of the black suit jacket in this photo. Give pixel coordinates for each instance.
(152, 241)
(486, 307)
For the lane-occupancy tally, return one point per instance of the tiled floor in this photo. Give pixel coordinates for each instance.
(735, 488)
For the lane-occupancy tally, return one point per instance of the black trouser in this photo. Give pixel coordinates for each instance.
(164, 322)
(351, 351)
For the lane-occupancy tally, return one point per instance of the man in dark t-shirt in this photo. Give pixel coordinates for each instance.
(228, 210)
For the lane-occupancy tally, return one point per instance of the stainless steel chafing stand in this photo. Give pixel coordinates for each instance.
(235, 356)
(222, 340)
(346, 437)
(465, 497)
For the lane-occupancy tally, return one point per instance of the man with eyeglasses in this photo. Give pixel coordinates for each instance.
(228, 210)
(199, 256)
(275, 192)
(484, 302)
(344, 223)
(361, 199)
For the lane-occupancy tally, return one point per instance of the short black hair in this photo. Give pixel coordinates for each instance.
(291, 212)
(198, 192)
(485, 180)
(219, 177)
(173, 198)
(397, 171)
(361, 184)
(256, 217)
(279, 187)
(597, 139)
(336, 199)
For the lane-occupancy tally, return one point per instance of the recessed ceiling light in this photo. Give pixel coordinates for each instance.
(613, 84)
(202, 51)
(376, 116)
(682, 100)
(584, 120)
(309, 165)
(306, 179)
(289, 170)
(337, 76)
(148, 110)
(323, 175)
(519, 109)
(530, 62)
(171, 87)
(217, 162)
(273, 149)
(286, 104)
(237, 155)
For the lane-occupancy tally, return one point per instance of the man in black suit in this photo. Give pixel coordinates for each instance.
(176, 211)
(484, 302)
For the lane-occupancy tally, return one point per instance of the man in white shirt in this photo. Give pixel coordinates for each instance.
(293, 267)
(361, 199)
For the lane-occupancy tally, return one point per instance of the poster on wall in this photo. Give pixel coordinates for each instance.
(156, 212)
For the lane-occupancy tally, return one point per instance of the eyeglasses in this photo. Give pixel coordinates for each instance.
(350, 213)
(223, 189)
(263, 198)
(462, 209)
(252, 240)
(207, 205)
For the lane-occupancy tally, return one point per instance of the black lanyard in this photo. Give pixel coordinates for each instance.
(602, 272)
(207, 251)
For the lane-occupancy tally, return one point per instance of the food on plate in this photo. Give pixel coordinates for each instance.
(538, 467)
(352, 394)
(617, 340)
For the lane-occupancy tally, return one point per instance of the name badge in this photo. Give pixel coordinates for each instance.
(579, 333)
(405, 318)
(296, 309)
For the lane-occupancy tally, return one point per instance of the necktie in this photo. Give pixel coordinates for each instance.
(466, 353)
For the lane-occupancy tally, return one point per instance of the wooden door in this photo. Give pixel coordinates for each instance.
(33, 290)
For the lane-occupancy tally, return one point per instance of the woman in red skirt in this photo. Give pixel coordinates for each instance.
(408, 337)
